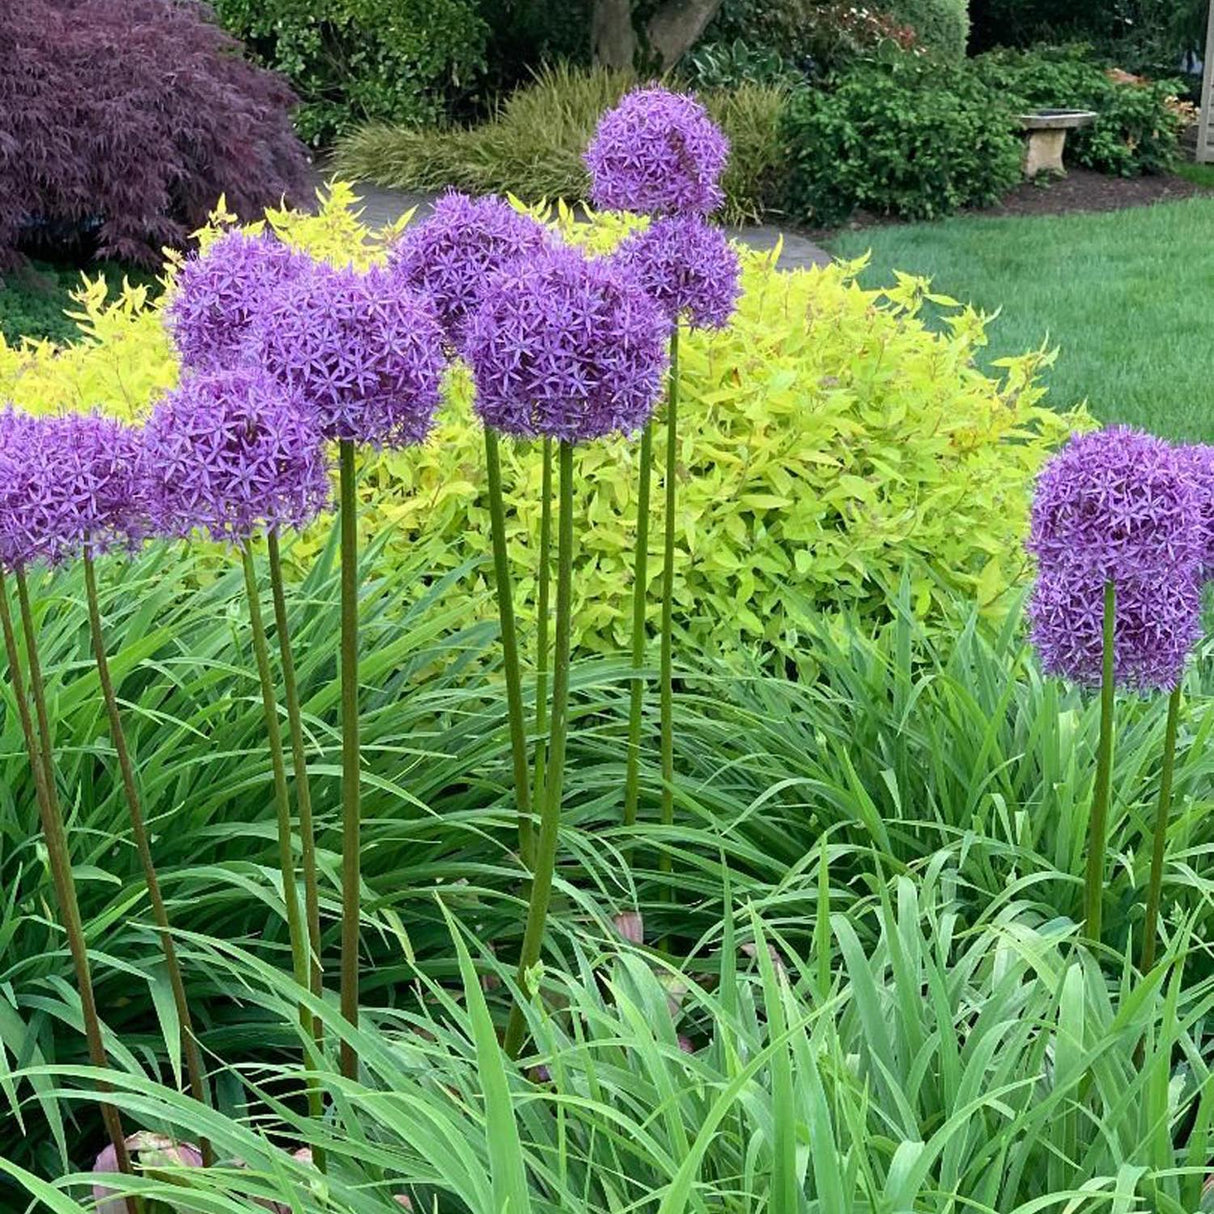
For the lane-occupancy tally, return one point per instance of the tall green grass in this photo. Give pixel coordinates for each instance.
(936, 1068)
(533, 146)
(905, 829)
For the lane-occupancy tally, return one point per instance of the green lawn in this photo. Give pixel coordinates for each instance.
(1125, 296)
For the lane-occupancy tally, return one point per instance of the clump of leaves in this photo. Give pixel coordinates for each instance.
(122, 121)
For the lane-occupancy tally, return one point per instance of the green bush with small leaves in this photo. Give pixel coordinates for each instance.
(905, 137)
(941, 25)
(359, 60)
(1136, 130)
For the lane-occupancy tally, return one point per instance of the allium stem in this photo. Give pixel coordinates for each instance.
(543, 606)
(303, 798)
(1162, 813)
(58, 852)
(667, 652)
(550, 819)
(351, 866)
(640, 598)
(510, 658)
(189, 1043)
(1098, 827)
(282, 796)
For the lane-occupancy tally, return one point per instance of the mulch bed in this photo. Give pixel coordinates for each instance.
(1080, 190)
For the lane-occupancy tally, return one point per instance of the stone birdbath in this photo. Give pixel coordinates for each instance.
(1046, 130)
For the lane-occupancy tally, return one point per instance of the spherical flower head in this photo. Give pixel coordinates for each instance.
(566, 347)
(688, 266)
(68, 483)
(450, 255)
(1156, 623)
(232, 453)
(363, 352)
(1198, 463)
(657, 152)
(1118, 504)
(218, 292)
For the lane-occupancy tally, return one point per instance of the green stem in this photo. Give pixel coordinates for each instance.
(640, 596)
(542, 610)
(1162, 813)
(303, 798)
(351, 867)
(550, 820)
(55, 833)
(667, 653)
(1094, 891)
(282, 797)
(189, 1042)
(514, 682)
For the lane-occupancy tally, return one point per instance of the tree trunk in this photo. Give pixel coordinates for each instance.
(676, 27)
(671, 32)
(612, 38)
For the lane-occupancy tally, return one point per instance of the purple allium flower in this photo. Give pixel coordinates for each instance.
(1199, 464)
(232, 453)
(65, 482)
(688, 266)
(567, 347)
(151, 1151)
(218, 293)
(363, 353)
(1117, 504)
(658, 152)
(1156, 623)
(449, 255)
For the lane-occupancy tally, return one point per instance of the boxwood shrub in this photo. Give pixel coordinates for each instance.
(905, 137)
(837, 443)
(358, 60)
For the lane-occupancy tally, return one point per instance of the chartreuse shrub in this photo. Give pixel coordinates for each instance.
(353, 60)
(833, 441)
(905, 137)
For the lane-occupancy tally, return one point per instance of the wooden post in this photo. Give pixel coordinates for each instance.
(1205, 128)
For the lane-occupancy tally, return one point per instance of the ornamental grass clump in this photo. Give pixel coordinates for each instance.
(233, 454)
(364, 356)
(1119, 537)
(449, 257)
(45, 516)
(571, 349)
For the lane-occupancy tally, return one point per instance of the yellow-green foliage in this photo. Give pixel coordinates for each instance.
(828, 441)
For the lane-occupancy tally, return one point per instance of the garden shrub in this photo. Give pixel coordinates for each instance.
(906, 137)
(533, 147)
(814, 37)
(941, 25)
(121, 121)
(354, 60)
(838, 442)
(1137, 128)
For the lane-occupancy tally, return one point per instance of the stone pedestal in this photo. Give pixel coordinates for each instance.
(1044, 153)
(1046, 130)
